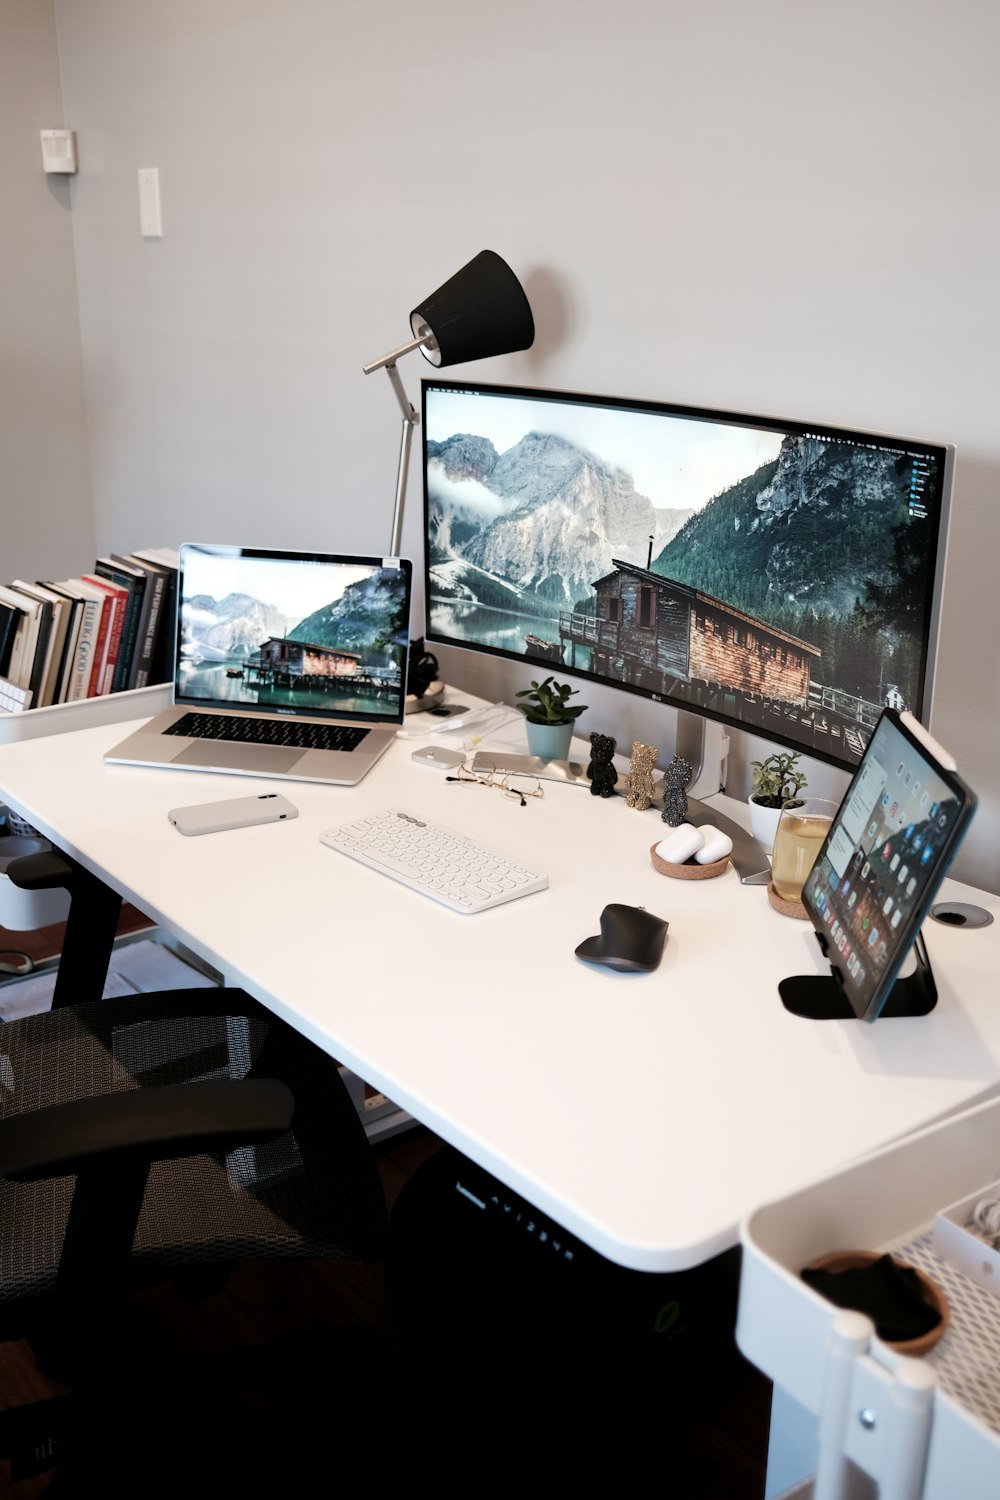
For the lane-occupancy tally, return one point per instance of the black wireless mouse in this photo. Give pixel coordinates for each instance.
(631, 940)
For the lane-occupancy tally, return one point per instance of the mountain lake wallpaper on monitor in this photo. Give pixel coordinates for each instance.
(777, 576)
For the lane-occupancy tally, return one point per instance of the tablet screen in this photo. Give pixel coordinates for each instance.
(889, 847)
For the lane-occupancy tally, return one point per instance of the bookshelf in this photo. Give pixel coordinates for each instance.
(83, 652)
(105, 632)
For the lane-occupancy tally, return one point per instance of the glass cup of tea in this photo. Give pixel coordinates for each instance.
(802, 827)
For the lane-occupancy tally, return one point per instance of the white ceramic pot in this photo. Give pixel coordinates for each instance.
(764, 824)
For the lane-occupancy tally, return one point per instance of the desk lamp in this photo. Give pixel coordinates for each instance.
(480, 312)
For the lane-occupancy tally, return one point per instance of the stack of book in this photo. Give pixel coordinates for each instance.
(107, 631)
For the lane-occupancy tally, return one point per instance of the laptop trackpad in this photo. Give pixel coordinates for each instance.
(265, 760)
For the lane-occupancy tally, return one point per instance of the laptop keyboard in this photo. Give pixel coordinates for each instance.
(294, 732)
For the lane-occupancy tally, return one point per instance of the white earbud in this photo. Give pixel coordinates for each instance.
(716, 846)
(679, 845)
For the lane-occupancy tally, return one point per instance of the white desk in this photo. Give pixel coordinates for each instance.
(647, 1113)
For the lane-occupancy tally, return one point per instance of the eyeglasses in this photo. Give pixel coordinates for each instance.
(516, 789)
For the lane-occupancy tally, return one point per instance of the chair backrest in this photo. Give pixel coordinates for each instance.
(315, 1192)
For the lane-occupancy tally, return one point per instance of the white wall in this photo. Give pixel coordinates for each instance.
(785, 207)
(46, 516)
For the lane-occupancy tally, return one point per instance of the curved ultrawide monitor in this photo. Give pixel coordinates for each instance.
(779, 576)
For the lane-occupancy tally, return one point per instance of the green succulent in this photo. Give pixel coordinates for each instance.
(547, 702)
(775, 781)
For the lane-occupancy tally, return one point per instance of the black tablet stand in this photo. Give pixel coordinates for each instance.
(820, 997)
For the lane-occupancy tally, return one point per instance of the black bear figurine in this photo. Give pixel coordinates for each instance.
(601, 770)
(676, 778)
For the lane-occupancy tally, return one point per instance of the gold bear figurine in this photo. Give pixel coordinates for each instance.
(639, 778)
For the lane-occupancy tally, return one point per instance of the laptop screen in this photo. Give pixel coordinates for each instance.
(306, 634)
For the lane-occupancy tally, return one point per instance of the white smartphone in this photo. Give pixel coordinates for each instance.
(234, 812)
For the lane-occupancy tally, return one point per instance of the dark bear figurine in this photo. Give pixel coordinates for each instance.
(601, 769)
(676, 779)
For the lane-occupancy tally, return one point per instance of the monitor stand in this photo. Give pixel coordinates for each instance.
(819, 997)
(748, 859)
(705, 744)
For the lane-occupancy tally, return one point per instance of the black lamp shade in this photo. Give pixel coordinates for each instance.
(480, 312)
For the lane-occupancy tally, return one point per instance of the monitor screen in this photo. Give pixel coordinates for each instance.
(778, 576)
(308, 634)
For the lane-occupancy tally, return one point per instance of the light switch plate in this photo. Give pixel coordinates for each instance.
(59, 150)
(150, 219)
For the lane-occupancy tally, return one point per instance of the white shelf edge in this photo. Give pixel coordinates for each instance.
(85, 713)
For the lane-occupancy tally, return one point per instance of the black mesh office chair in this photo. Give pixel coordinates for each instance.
(148, 1138)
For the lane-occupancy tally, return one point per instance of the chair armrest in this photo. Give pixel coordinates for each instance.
(41, 872)
(143, 1125)
(91, 926)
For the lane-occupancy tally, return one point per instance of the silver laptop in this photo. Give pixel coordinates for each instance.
(288, 664)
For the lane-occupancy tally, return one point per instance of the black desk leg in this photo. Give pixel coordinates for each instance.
(91, 927)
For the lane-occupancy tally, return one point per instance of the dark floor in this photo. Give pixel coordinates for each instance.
(469, 1377)
(299, 1364)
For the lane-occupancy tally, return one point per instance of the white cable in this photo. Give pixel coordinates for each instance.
(480, 718)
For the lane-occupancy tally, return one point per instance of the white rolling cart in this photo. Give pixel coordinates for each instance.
(850, 1417)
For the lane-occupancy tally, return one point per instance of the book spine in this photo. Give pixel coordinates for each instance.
(17, 669)
(117, 598)
(119, 603)
(130, 626)
(162, 669)
(9, 618)
(167, 559)
(102, 606)
(61, 668)
(84, 662)
(57, 640)
(143, 600)
(65, 674)
(40, 662)
(155, 584)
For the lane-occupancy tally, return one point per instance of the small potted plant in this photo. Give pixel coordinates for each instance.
(549, 719)
(774, 783)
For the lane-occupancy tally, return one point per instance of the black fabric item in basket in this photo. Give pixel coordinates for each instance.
(889, 1293)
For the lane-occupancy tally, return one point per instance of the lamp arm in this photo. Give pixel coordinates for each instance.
(424, 340)
(410, 419)
(410, 416)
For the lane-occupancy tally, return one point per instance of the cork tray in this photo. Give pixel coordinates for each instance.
(690, 869)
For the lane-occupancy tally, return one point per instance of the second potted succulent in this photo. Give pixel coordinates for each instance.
(549, 718)
(774, 782)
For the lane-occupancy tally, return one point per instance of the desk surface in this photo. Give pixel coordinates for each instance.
(646, 1113)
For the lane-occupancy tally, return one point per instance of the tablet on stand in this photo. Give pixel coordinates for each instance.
(888, 850)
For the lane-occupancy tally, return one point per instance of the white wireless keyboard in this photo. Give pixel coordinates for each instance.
(13, 699)
(447, 866)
